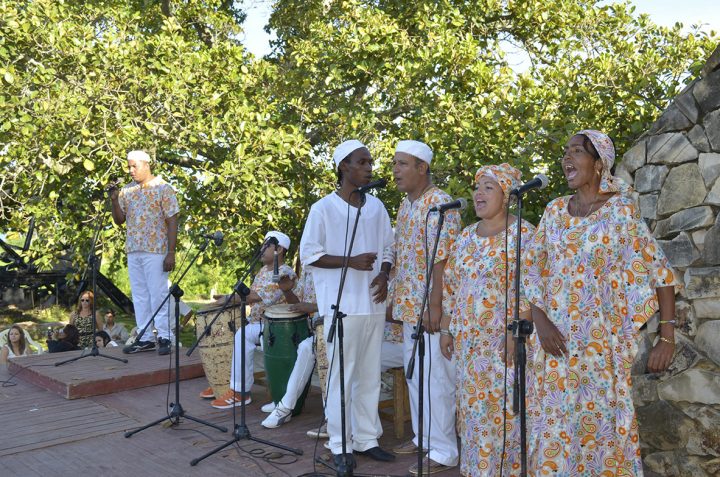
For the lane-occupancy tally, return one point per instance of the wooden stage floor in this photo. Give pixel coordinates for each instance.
(42, 433)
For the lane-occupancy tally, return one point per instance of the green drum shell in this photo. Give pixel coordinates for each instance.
(281, 337)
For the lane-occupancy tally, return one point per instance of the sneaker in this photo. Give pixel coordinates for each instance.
(268, 408)
(139, 346)
(164, 346)
(278, 417)
(326, 445)
(230, 399)
(321, 432)
(208, 393)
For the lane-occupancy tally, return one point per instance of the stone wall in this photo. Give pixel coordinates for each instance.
(675, 169)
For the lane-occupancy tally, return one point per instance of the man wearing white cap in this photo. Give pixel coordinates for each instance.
(263, 293)
(411, 170)
(150, 209)
(323, 249)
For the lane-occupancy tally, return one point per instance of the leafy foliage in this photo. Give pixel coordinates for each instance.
(245, 140)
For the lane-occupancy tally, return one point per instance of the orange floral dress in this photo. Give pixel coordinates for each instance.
(474, 298)
(595, 278)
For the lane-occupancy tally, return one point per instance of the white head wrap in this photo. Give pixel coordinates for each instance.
(138, 156)
(416, 149)
(345, 149)
(283, 240)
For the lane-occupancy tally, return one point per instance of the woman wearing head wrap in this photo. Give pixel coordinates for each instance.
(474, 323)
(594, 275)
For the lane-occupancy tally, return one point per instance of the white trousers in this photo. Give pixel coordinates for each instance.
(252, 340)
(391, 355)
(361, 350)
(148, 285)
(301, 372)
(439, 397)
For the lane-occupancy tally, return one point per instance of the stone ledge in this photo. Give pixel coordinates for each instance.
(702, 282)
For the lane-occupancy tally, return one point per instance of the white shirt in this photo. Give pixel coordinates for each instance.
(328, 231)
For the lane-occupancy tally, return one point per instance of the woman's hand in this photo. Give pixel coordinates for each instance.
(509, 350)
(551, 340)
(660, 356)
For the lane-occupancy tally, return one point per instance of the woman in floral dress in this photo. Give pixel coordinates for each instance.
(474, 323)
(82, 318)
(594, 275)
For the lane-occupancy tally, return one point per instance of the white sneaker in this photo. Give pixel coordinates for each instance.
(268, 408)
(278, 417)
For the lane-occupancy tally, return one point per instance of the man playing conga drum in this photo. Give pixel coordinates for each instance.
(263, 293)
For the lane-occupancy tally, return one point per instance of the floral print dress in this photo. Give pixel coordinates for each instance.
(474, 298)
(595, 278)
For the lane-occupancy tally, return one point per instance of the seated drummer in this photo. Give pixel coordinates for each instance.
(263, 293)
(281, 412)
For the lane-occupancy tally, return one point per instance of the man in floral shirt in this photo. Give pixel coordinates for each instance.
(411, 170)
(150, 209)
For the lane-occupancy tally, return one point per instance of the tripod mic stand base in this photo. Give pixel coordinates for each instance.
(241, 432)
(176, 413)
(93, 352)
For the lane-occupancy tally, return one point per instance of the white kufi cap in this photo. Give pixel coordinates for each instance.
(416, 149)
(345, 149)
(138, 156)
(283, 240)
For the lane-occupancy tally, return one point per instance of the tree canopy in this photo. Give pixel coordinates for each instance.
(246, 140)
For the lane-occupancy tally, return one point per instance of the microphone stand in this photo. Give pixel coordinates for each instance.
(177, 410)
(93, 262)
(241, 430)
(521, 330)
(419, 346)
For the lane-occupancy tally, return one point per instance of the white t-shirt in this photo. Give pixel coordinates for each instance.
(328, 231)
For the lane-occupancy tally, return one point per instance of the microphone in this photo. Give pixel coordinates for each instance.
(112, 184)
(455, 204)
(540, 182)
(378, 184)
(276, 273)
(216, 237)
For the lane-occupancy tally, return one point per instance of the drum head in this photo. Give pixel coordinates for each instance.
(282, 312)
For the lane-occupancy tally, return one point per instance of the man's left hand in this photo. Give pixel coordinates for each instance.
(380, 283)
(169, 262)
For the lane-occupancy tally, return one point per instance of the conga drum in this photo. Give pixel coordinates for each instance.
(283, 331)
(216, 348)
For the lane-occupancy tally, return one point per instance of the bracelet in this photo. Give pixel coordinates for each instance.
(664, 322)
(387, 275)
(662, 338)
(446, 333)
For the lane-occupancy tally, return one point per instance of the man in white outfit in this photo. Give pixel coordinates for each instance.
(323, 249)
(149, 207)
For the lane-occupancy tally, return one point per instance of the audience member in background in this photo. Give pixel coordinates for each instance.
(16, 345)
(82, 318)
(66, 339)
(102, 340)
(116, 331)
